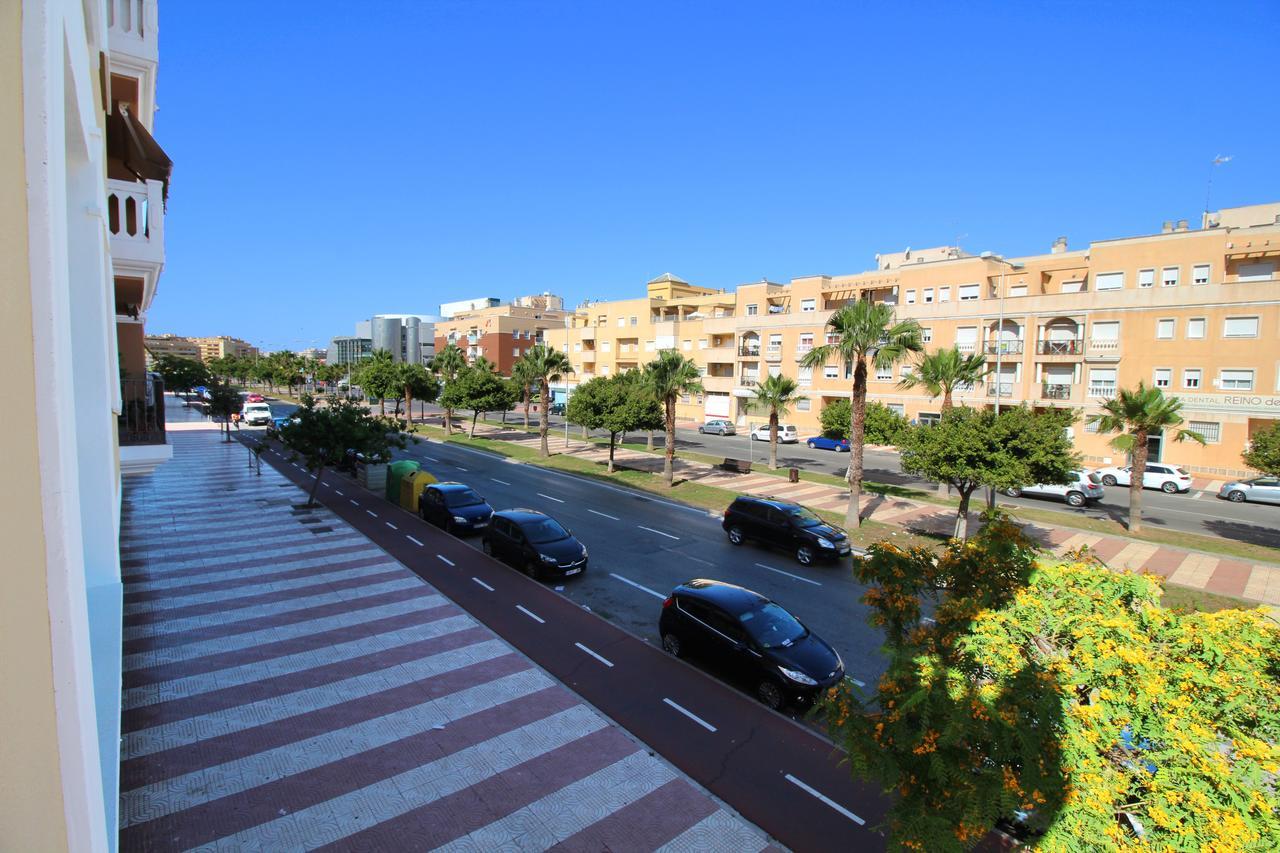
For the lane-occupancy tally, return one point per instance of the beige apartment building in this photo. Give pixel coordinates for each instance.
(205, 349)
(502, 333)
(1195, 312)
(176, 345)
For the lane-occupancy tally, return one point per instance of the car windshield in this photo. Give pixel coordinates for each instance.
(544, 530)
(804, 517)
(463, 497)
(772, 627)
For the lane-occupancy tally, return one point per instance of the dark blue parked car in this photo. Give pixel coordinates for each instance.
(821, 442)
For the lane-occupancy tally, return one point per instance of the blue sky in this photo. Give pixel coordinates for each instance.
(339, 160)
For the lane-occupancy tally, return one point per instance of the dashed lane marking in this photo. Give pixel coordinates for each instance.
(392, 526)
(548, 497)
(640, 587)
(604, 515)
(699, 560)
(534, 616)
(483, 584)
(414, 541)
(691, 715)
(354, 502)
(371, 512)
(824, 798)
(600, 658)
(339, 491)
(442, 558)
(659, 532)
(503, 482)
(788, 574)
(430, 458)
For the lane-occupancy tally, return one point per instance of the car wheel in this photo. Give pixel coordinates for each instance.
(1169, 487)
(804, 555)
(812, 446)
(735, 536)
(1236, 497)
(1108, 480)
(770, 694)
(1075, 498)
(1013, 493)
(671, 644)
(701, 431)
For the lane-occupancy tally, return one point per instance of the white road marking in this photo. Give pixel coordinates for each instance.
(691, 715)
(929, 619)
(602, 660)
(788, 574)
(604, 514)
(503, 482)
(659, 532)
(371, 512)
(548, 497)
(459, 467)
(856, 681)
(483, 584)
(698, 560)
(821, 796)
(430, 458)
(392, 526)
(327, 486)
(638, 586)
(442, 558)
(534, 616)
(339, 491)
(354, 502)
(414, 541)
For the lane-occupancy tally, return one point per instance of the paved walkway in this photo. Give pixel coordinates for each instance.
(1242, 579)
(288, 685)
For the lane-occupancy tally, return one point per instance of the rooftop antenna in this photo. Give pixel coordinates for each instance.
(1217, 161)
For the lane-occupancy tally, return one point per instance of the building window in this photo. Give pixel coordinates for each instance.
(752, 310)
(806, 344)
(622, 322)
(905, 371)
(1090, 426)
(832, 339)
(928, 296)
(703, 343)
(1235, 380)
(802, 405)
(604, 370)
(911, 297)
(516, 334)
(606, 346)
(808, 305)
(944, 294)
(806, 376)
(1260, 271)
(830, 371)
(1109, 281)
(1195, 327)
(1102, 382)
(684, 398)
(1164, 330)
(515, 351)
(1072, 286)
(928, 418)
(1169, 277)
(635, 321)
(1211, 430)
(968, 292)
(1163, 377)
(1146, 278)
(1018, 290)
(1200, 274)
(1240, 327)
(897, 408)
(602, 320)
(1191, 378)
(884, 374)
(926, 334)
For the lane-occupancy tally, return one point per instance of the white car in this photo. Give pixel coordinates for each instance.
(1167, 478)
(787, 434)
(1083, 488)
(257, 414)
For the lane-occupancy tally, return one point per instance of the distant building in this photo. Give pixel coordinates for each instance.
(314, 353)
(545, 301)
(500, 333)
(158, 345)
(408, 337)
(462, 306)
(348, 350)
(221, 346)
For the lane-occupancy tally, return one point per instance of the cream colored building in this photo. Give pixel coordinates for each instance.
(175, 345)
(82, 237)
(1195, 312)
(221, 346)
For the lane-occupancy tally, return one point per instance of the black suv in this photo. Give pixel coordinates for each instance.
(534, 542)
(454, 506)
(784, 525)
(749, 638)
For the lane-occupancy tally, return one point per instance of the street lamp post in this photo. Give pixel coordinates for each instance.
(1014, 265)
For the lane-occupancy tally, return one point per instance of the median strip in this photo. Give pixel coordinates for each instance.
(691, 715)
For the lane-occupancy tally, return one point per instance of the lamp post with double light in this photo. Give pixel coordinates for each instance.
(999, 386)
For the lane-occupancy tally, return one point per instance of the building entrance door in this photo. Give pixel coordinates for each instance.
(1154, 445)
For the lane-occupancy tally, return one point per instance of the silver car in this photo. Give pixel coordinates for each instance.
(1084, 487)
(718, 426)
(1264, 490)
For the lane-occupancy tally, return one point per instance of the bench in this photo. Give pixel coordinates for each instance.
(740, 466)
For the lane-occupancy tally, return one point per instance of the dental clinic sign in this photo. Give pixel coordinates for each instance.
(1251, 404)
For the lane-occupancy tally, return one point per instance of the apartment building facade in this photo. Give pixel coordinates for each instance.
(500, 333)
(221, 346)
(175, 345)
(82, 234)
(1195, 312)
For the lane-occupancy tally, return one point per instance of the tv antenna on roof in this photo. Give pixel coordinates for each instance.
(1217, 161)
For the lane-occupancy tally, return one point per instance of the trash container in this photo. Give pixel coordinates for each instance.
(411, 487)
(396, 471)
(794, 475)
(372, 477)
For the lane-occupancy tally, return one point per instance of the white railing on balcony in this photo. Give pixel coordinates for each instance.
(773, 353)
(1004, 389)
(135, 218)
(131, 25)
(1104, 346)
(1105, 390)
(966, 346)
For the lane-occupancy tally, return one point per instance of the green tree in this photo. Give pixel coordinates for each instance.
(969, 448)
(617, 404)
(882, 425)
(525, 382)
(182, 374)
(941, 372)
(776, 395)
(669, 376)
(863, 330)
(546, 365)
(1064, 692)
(835, 419)
(379, 376)
(224, 401)
(447, 364)
(1263, 453)
(416, 383)
(479, 389)
(322, 435)
(1137, 415)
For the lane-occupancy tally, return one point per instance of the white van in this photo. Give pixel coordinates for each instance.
(257, 414)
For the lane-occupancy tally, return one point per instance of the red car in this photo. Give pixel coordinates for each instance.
(254, 398)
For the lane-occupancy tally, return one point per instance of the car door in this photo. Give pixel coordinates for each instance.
(501, 538)
(736, 657)
(778, 529)
(433, 505)
(1266, 490)
(698, 634)
(1155, 476)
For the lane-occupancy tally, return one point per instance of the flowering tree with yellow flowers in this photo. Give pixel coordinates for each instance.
(1064, 700)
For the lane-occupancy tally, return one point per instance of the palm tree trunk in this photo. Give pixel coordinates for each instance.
(773, 439)
(857, 436)
(526, 408)
(408, 406)
(315, 487)
(544, 388)
(648, 442)
(448, 421)
(1135, 480)
(669, 452)
(943, 488)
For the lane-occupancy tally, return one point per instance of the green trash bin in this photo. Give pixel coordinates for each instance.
(396, 472)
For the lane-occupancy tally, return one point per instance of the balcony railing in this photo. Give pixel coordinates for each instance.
(773, 354)
(1104, 346)
(749, 381)
(967, 346)
(141, 418)
(749, 352)
(135, 218)
(802, 350)
(1069, 347)
(1105, 390)
(1004, 347)
(1055, 391)
(1005, 389)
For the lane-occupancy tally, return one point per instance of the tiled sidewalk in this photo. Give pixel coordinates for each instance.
(287, 685)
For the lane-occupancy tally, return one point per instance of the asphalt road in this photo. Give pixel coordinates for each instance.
(780, 775)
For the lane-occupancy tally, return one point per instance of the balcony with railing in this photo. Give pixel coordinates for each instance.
(140, 426)
(1103, 349)
(748, 352)
(1003, 389)
(1061, 347)
(135, 219)
(1055, 391)
(1103, 390)
(719, 384)
(773, 353)
(1010, 347)
(966, 346)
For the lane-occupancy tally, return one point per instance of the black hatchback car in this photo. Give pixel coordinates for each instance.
(784, 525)
(535, 543)
(751, 639)
(454, 506)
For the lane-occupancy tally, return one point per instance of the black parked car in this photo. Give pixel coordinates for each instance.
(784, 525)
(535, 543)
(454, 506)
(751, 639)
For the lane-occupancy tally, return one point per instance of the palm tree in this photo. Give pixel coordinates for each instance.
(669, 376)
(546, 365)
(1137, 415)
(863, 330)
(447, 364)
(775, 395)
(524, 379)
(941, 372)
